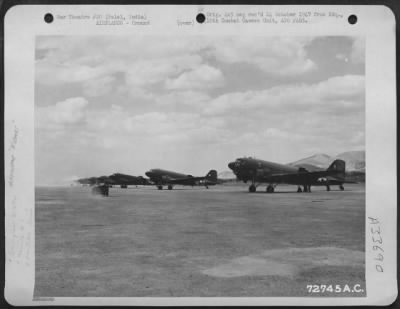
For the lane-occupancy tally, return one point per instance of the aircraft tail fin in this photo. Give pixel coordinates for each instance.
(338, 168)
(212, 175)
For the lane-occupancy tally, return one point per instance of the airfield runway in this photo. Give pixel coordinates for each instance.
(222, 241)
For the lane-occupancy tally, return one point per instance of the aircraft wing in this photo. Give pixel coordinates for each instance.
(299, 176)
(338, 179)
(186, 180)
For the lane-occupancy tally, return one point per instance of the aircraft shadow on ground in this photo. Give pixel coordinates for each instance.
(291, 192)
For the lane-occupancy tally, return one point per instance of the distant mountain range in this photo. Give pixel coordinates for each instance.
(355, 163)
(226, 175)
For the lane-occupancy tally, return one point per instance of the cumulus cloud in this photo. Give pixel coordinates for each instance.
(50, 73)
(181, 99)
(147, 72)
(67, 112)
(163, 101)
(342, 57)
(119, 121)
(358, 139)
(358, 50)
(276, 133)
(342, 89)
(203, 76)
(274, 55)
(179, 64)
(99, 86)
(143, 61)
(156, 128)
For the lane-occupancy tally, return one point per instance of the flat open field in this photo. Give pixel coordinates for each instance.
(222, 241)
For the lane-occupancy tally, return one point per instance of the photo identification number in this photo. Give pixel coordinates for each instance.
(334, 288)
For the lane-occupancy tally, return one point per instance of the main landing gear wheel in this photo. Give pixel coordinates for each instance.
(299, 190)
(252, 188)
(169, 187)
(159, 187)
(341, 187)
(328, 188)
(270, 189)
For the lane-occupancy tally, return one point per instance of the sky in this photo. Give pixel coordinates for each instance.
(106, 104)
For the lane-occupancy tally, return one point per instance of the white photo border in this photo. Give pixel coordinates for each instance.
(24, 22)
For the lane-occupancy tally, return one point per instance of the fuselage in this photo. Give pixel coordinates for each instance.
(123, 179)
(162, 177)
(158, 174)
(251, 169)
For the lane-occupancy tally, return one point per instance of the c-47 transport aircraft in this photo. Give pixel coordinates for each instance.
(124, 180)
(162, 177)
(260, 171)
(118, 179)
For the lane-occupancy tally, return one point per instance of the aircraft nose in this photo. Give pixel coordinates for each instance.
(231, 165)
(148, 174)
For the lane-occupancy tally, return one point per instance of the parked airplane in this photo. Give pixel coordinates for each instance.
(124, 180)
(162, 177)
(118, 179)
(259, 171)
(95, 180)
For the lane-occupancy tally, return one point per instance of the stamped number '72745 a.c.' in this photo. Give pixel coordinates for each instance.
(334, 288)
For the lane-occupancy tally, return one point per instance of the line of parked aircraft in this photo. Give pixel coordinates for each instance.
(246, 169)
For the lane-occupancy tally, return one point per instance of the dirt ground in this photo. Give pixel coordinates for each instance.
(222, 241)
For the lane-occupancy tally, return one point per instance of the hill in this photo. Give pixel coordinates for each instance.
(320, 160)
(355, 161)
(226, 175)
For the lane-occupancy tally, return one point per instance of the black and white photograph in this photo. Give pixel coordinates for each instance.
(230, 166)
(200, 165)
